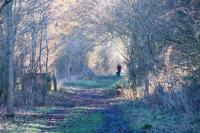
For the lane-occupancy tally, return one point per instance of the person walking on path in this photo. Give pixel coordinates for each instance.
(119, 69)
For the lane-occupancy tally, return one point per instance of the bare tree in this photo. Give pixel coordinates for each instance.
(10, 56)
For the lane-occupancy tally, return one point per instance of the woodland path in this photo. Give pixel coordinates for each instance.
(82, 109)
(89, 106)
(97, 101)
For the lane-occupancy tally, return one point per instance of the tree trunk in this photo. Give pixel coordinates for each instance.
(10, 83)
(47, 49)
(10, 58)
(40, 50)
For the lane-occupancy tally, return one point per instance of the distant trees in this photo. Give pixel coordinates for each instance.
(72, 64)
(90, 16)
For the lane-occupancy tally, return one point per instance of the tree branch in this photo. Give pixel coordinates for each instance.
(4, 4)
